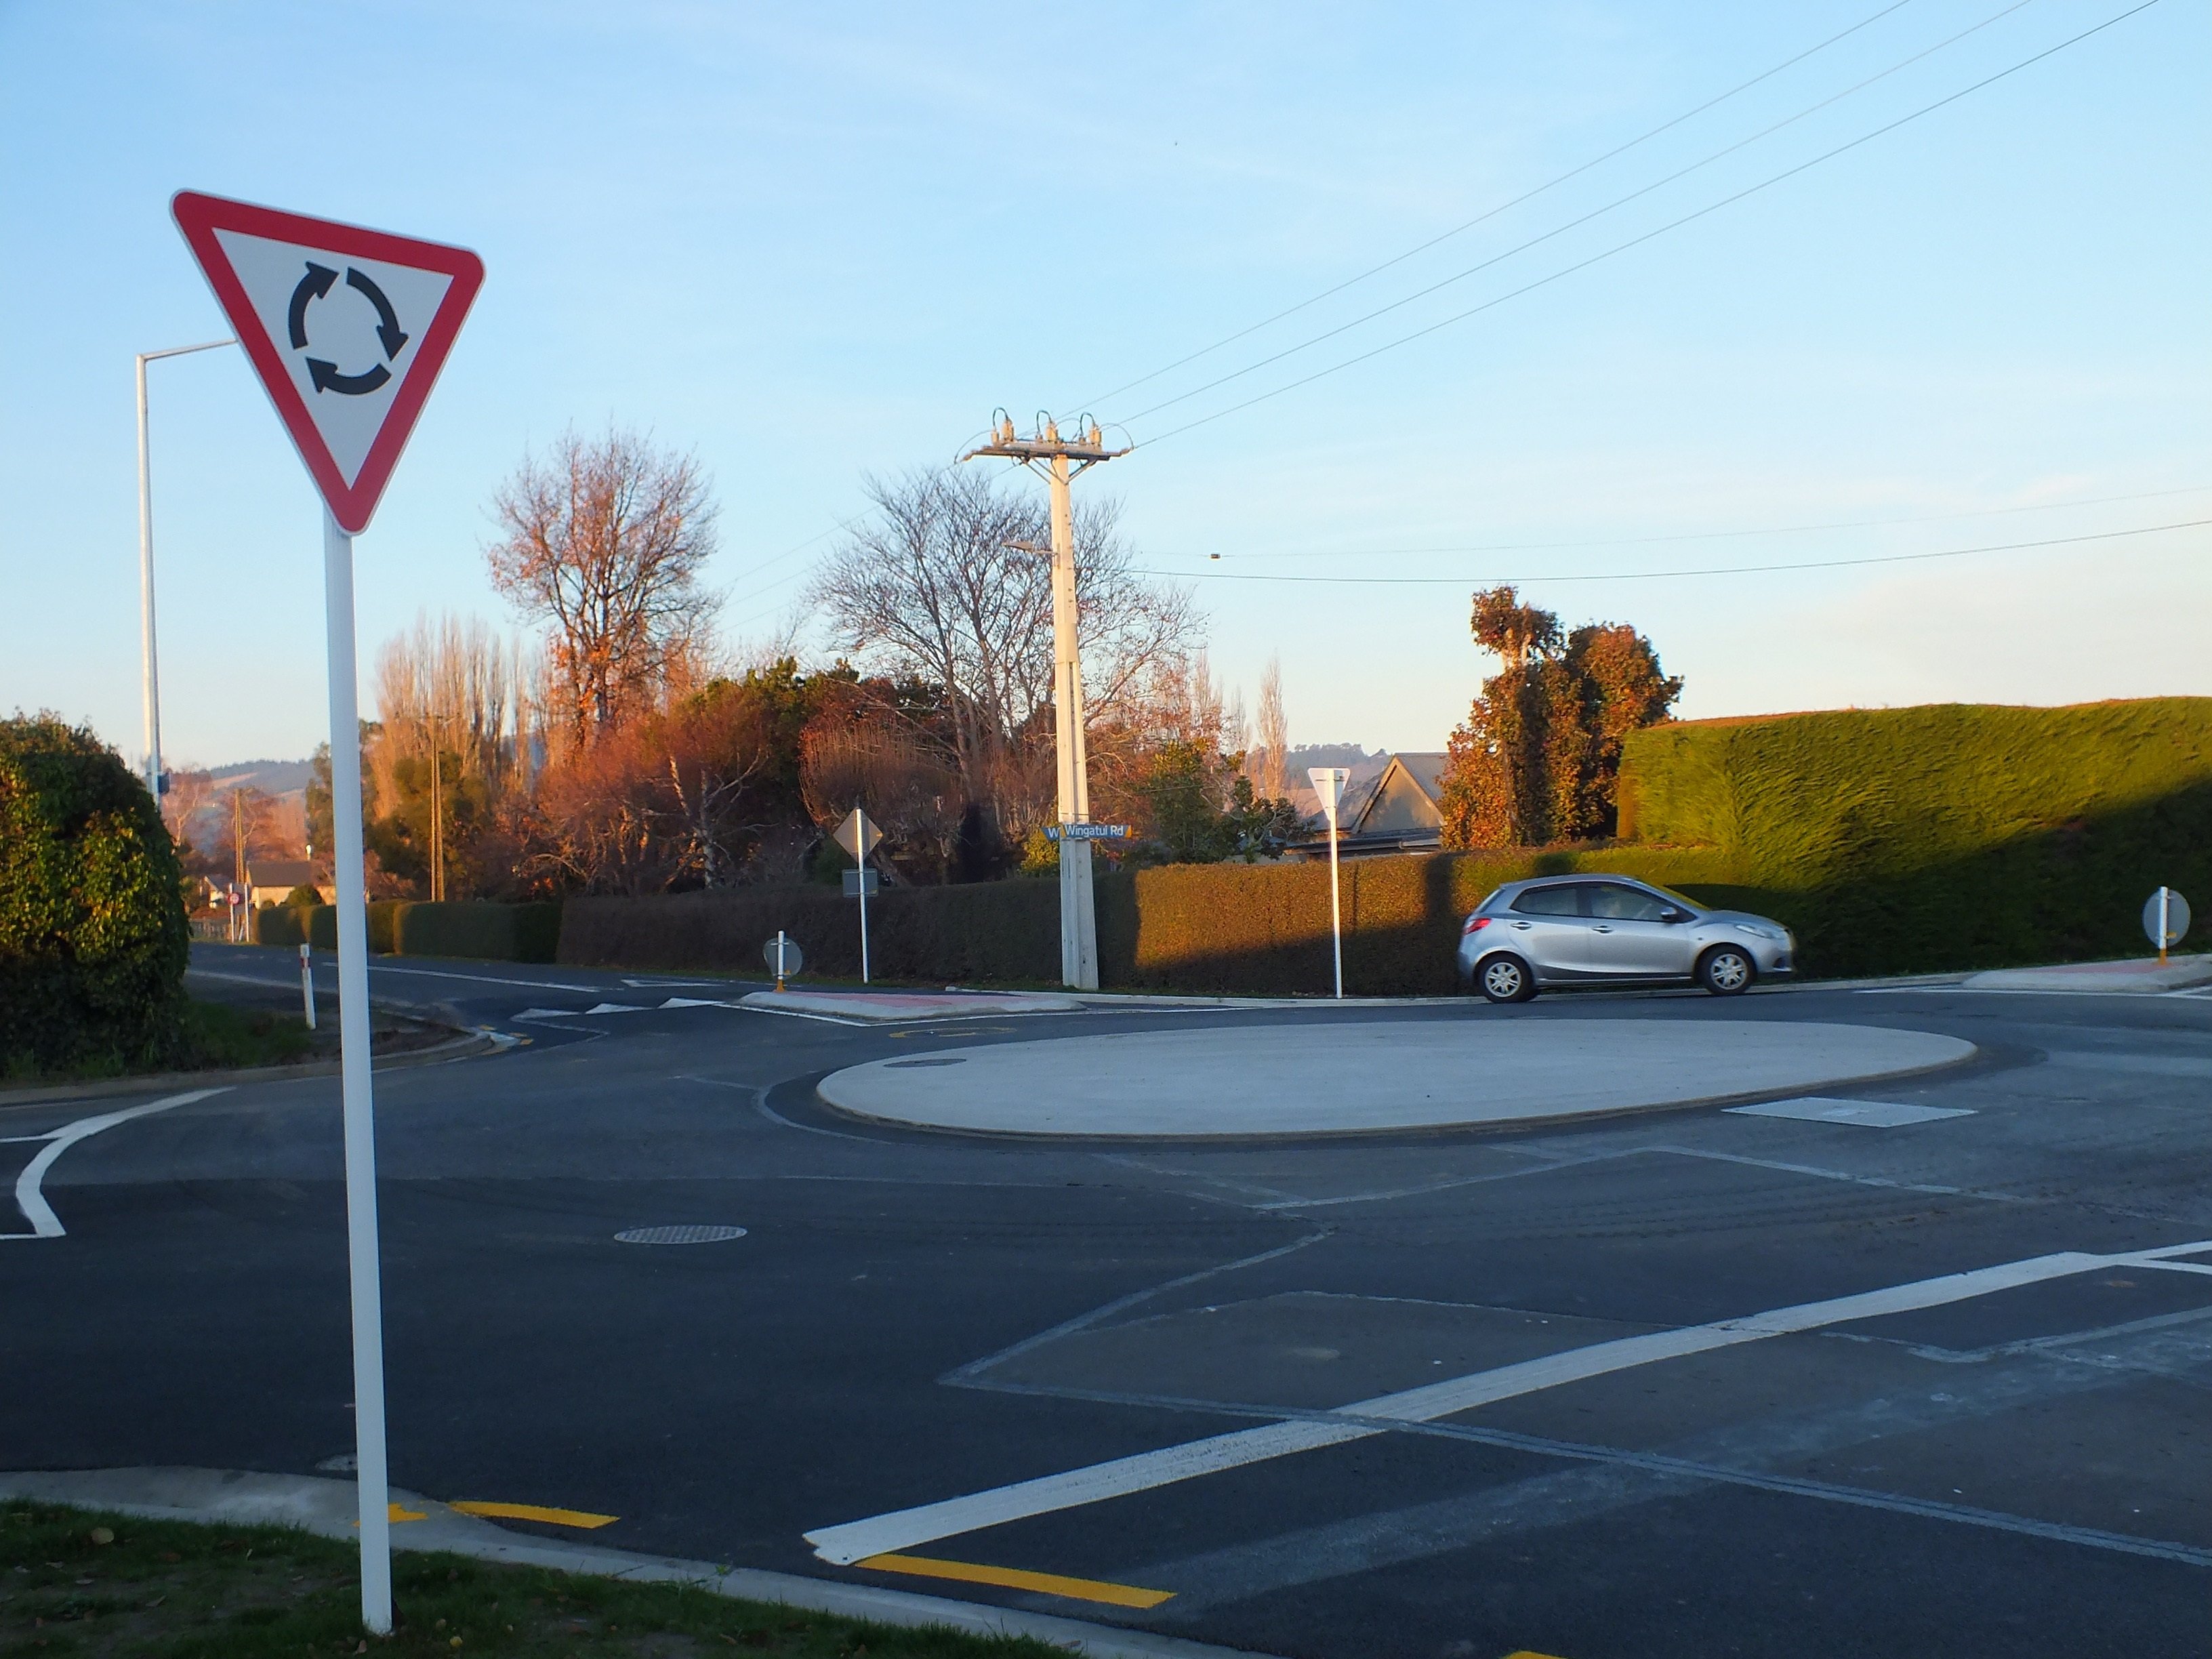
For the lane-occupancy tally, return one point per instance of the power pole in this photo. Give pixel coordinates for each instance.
(1057, 460)
(437, 810)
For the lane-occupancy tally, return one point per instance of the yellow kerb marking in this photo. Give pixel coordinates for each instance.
(1051, 1584)
(1526, 1654)
(397, 1515)
(583, 1519)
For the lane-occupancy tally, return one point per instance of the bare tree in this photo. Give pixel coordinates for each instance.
(930, 589)
(1275, 734)
(603, 544)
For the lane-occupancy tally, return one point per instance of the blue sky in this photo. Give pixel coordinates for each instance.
(814, 243)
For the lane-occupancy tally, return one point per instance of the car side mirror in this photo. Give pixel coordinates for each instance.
(1670, 913)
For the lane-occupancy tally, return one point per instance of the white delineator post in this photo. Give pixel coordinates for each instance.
(306, 988)
(2164, 921)
(353, 1069)
(1329, 784)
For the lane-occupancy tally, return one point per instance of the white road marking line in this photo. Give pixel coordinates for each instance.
(45, 1223)
(1120, 1477)
(2175, 1266)
(1866, 1114)
(963, 1376)
(827, 1019)
(288, 976)
(1834, 1174)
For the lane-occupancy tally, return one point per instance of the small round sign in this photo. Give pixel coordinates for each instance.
(792, 959)
(2176, 917)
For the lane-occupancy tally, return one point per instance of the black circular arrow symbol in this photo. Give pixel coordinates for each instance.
(313, 286)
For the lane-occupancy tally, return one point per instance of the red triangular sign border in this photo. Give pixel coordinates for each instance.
(200, 216)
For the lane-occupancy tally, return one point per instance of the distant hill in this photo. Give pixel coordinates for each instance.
(272, 777)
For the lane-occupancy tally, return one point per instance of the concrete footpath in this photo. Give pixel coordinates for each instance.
(327, 1508)
(1375, 1077)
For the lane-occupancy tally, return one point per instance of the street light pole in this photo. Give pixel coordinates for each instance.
(146, 571)
(1050, 455)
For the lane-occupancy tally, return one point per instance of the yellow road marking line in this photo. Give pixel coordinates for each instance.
(1526, 1654)
(1052, 1583)
(583, 1519)
(395, 1515)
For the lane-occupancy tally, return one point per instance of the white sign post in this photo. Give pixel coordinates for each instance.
(858, 838)
(2165, 919)
(347, 329)
(1329, 784)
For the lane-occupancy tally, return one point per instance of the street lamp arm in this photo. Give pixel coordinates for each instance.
(180, 351)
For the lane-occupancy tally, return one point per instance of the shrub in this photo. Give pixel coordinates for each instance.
(93, 934)
(303, 898)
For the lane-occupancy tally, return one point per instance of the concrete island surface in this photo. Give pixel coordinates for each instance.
(1378, 1076)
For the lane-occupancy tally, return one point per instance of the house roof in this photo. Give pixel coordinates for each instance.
(1409, 791)
(287, 873)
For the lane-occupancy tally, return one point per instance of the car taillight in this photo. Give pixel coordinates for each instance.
(1474, 924)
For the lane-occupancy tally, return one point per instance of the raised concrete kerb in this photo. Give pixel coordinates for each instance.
(1372, 1077)
(328, 1508)
(2142, 977)
(902, 1008)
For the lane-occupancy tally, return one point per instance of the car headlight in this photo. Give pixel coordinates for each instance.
(1759, 932)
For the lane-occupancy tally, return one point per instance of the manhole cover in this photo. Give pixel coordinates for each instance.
(689, 1233)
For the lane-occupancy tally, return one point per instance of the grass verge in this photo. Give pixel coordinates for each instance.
(78, 1582)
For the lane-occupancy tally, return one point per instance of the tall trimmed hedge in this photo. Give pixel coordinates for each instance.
(1192, 927)
(459, 927)
(1892, 841)
(93, 933)
(1954, 835)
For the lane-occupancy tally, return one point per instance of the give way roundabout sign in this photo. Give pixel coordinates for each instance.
(347, 329)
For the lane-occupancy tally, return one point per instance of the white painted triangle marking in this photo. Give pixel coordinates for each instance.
(619, 1008)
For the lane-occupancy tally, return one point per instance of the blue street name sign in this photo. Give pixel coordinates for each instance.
(1086, 832)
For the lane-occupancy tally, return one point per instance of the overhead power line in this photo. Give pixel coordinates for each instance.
(1663, 575)
(1489, 214)
(1724, 535)
(1660, 230)
(1575, 223)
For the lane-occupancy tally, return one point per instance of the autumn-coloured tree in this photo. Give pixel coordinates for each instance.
(603, 544)
(1538, 759)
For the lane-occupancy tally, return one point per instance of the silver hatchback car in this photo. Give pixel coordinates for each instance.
(1610, 930)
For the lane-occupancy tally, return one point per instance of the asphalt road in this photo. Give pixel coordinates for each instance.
(1210, 1370)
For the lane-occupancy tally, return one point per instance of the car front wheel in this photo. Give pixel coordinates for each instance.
(1505, 979)
(1727, 970)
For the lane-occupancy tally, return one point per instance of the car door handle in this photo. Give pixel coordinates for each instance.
(1522, 926)
(1600, 929)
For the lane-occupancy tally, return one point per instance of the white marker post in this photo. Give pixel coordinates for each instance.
(306, 988)
(362, 1254)
(347, 329)
(1329, 784)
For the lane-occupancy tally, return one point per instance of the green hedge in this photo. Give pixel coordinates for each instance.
(93, 933)
(1892, 841)
(468, 927)
(280, 924)
(1955, 836)
(473, 927)
(1212, 927)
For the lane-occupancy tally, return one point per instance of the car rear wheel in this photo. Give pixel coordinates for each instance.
(1504, 979)
(1727, 970)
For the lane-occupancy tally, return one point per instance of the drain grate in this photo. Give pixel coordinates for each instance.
(687, 1233)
